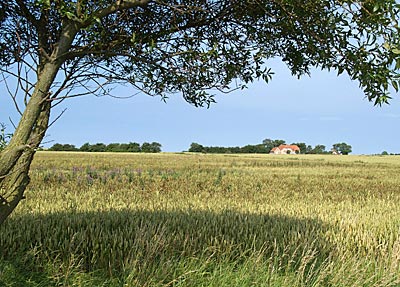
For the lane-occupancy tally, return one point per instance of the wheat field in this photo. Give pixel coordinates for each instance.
(118, 219)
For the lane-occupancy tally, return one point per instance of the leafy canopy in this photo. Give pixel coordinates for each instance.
(342, 148)
(196, 46)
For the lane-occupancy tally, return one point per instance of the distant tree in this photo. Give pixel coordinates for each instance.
(56, 147)
(153, 147)
(156, 147)
(318, 149)
(85, 147)
(384, 153)
(309, 149)
(270, 144)
(207, 149)
(146, 147)
(98, 147)
(63, 147)
(120, 147)
(123, 147)
(343, 148)
(133, 147)
(114, 147)
(215, 149)
(235, 149)
(249, 149)
(259, 148)
(195, 147)
(69, 147)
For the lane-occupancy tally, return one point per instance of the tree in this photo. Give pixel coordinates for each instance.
(146, 147)
(153, 147)
(270, 144)
(114, 147)
(259, 148)
(98, 147)
(57, 49)
(319, 149)
(195, 147)
(133, 147)
(309, 149)
(63, 147)
(249, 149)
(342, 148)
(85, 147)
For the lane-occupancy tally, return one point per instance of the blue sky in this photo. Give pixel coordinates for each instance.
(321, 109)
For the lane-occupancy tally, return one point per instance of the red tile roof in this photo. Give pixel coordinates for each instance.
(292, 147)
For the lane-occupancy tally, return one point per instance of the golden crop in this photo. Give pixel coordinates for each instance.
(207, 220)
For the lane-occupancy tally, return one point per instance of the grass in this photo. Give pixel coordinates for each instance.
(205, 220)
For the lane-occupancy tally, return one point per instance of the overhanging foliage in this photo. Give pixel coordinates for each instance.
(197, 46)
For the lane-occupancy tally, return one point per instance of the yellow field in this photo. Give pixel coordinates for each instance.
(205, 220)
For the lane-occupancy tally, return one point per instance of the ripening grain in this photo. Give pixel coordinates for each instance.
(205, 220)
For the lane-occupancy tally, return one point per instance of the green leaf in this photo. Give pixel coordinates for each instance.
(396, 51)
(398, 64)
(340, 71)
(69, 15)
(395, 85)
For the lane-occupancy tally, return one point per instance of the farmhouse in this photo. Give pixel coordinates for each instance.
(285, 149)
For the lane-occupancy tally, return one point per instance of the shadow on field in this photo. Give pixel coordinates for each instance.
(115, 241)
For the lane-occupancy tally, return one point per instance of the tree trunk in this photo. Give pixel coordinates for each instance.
(16, 158)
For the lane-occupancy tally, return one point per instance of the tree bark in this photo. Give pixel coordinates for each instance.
(20, 140)
(16, 161)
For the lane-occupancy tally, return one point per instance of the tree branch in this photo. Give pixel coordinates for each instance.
(25, 11)
(117, 6)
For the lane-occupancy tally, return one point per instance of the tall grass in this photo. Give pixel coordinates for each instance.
(205, 220)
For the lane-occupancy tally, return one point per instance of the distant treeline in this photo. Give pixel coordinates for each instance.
(153, 147)
(267, 145)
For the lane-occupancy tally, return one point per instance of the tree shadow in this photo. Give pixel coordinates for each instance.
(115, 240)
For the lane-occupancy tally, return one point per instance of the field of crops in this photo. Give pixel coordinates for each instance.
(205, 220)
